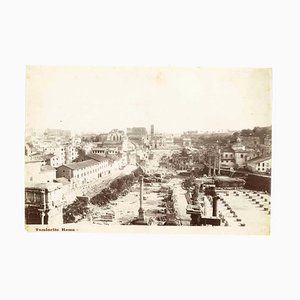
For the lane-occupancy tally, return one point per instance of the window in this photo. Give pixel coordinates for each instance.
(263, 164)
(242, 155)
(226, 155)
(258, 164)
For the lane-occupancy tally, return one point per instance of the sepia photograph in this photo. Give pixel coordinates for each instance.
(148, 149)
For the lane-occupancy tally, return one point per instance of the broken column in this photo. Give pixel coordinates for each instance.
(215, 206)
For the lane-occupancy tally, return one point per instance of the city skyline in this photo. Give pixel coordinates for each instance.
(157, 131)
(95, 99)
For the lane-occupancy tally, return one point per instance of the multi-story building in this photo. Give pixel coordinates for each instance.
(65, 154)
(237, 155)
(227, 157)
(137, 135)
(80, 173)
(71, 154)
(260, 164)
(169, 140)
(58, 151)
(49, 159)
(115, 145)
(38, 172)
(104, 162)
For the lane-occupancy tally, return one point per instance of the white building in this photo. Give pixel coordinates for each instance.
(114, 146)
(71, 154)
(49, 159)
(260, 164)
(80, 173)
(58, 151)
(65, 154)
(38, 172)
(237, 155)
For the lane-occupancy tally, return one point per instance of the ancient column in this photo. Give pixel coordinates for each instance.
(215, 206)
(141, 210)
(42, 217)
(43, 196)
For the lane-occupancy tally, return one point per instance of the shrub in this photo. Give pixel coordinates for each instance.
(75, 211)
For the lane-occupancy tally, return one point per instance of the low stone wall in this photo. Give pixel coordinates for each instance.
(230, 182)
(258, 183)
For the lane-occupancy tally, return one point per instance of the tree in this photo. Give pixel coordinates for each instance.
(246, 132)
(189, 183)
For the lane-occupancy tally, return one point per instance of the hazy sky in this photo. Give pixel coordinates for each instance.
(173, 99)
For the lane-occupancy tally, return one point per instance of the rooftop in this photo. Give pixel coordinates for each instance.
(259, 159)
(97, 157)
(228, 149)
(47, 168)
(42, 156)
(50, 186)
(62, 180)
(81, 164)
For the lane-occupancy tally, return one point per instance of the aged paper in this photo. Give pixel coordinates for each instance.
(148, 150)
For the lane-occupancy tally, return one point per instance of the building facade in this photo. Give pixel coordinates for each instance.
(80, 173)
(49, 159)
(115, 145)
(38, 172)
(237, 155)
(260, 164)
